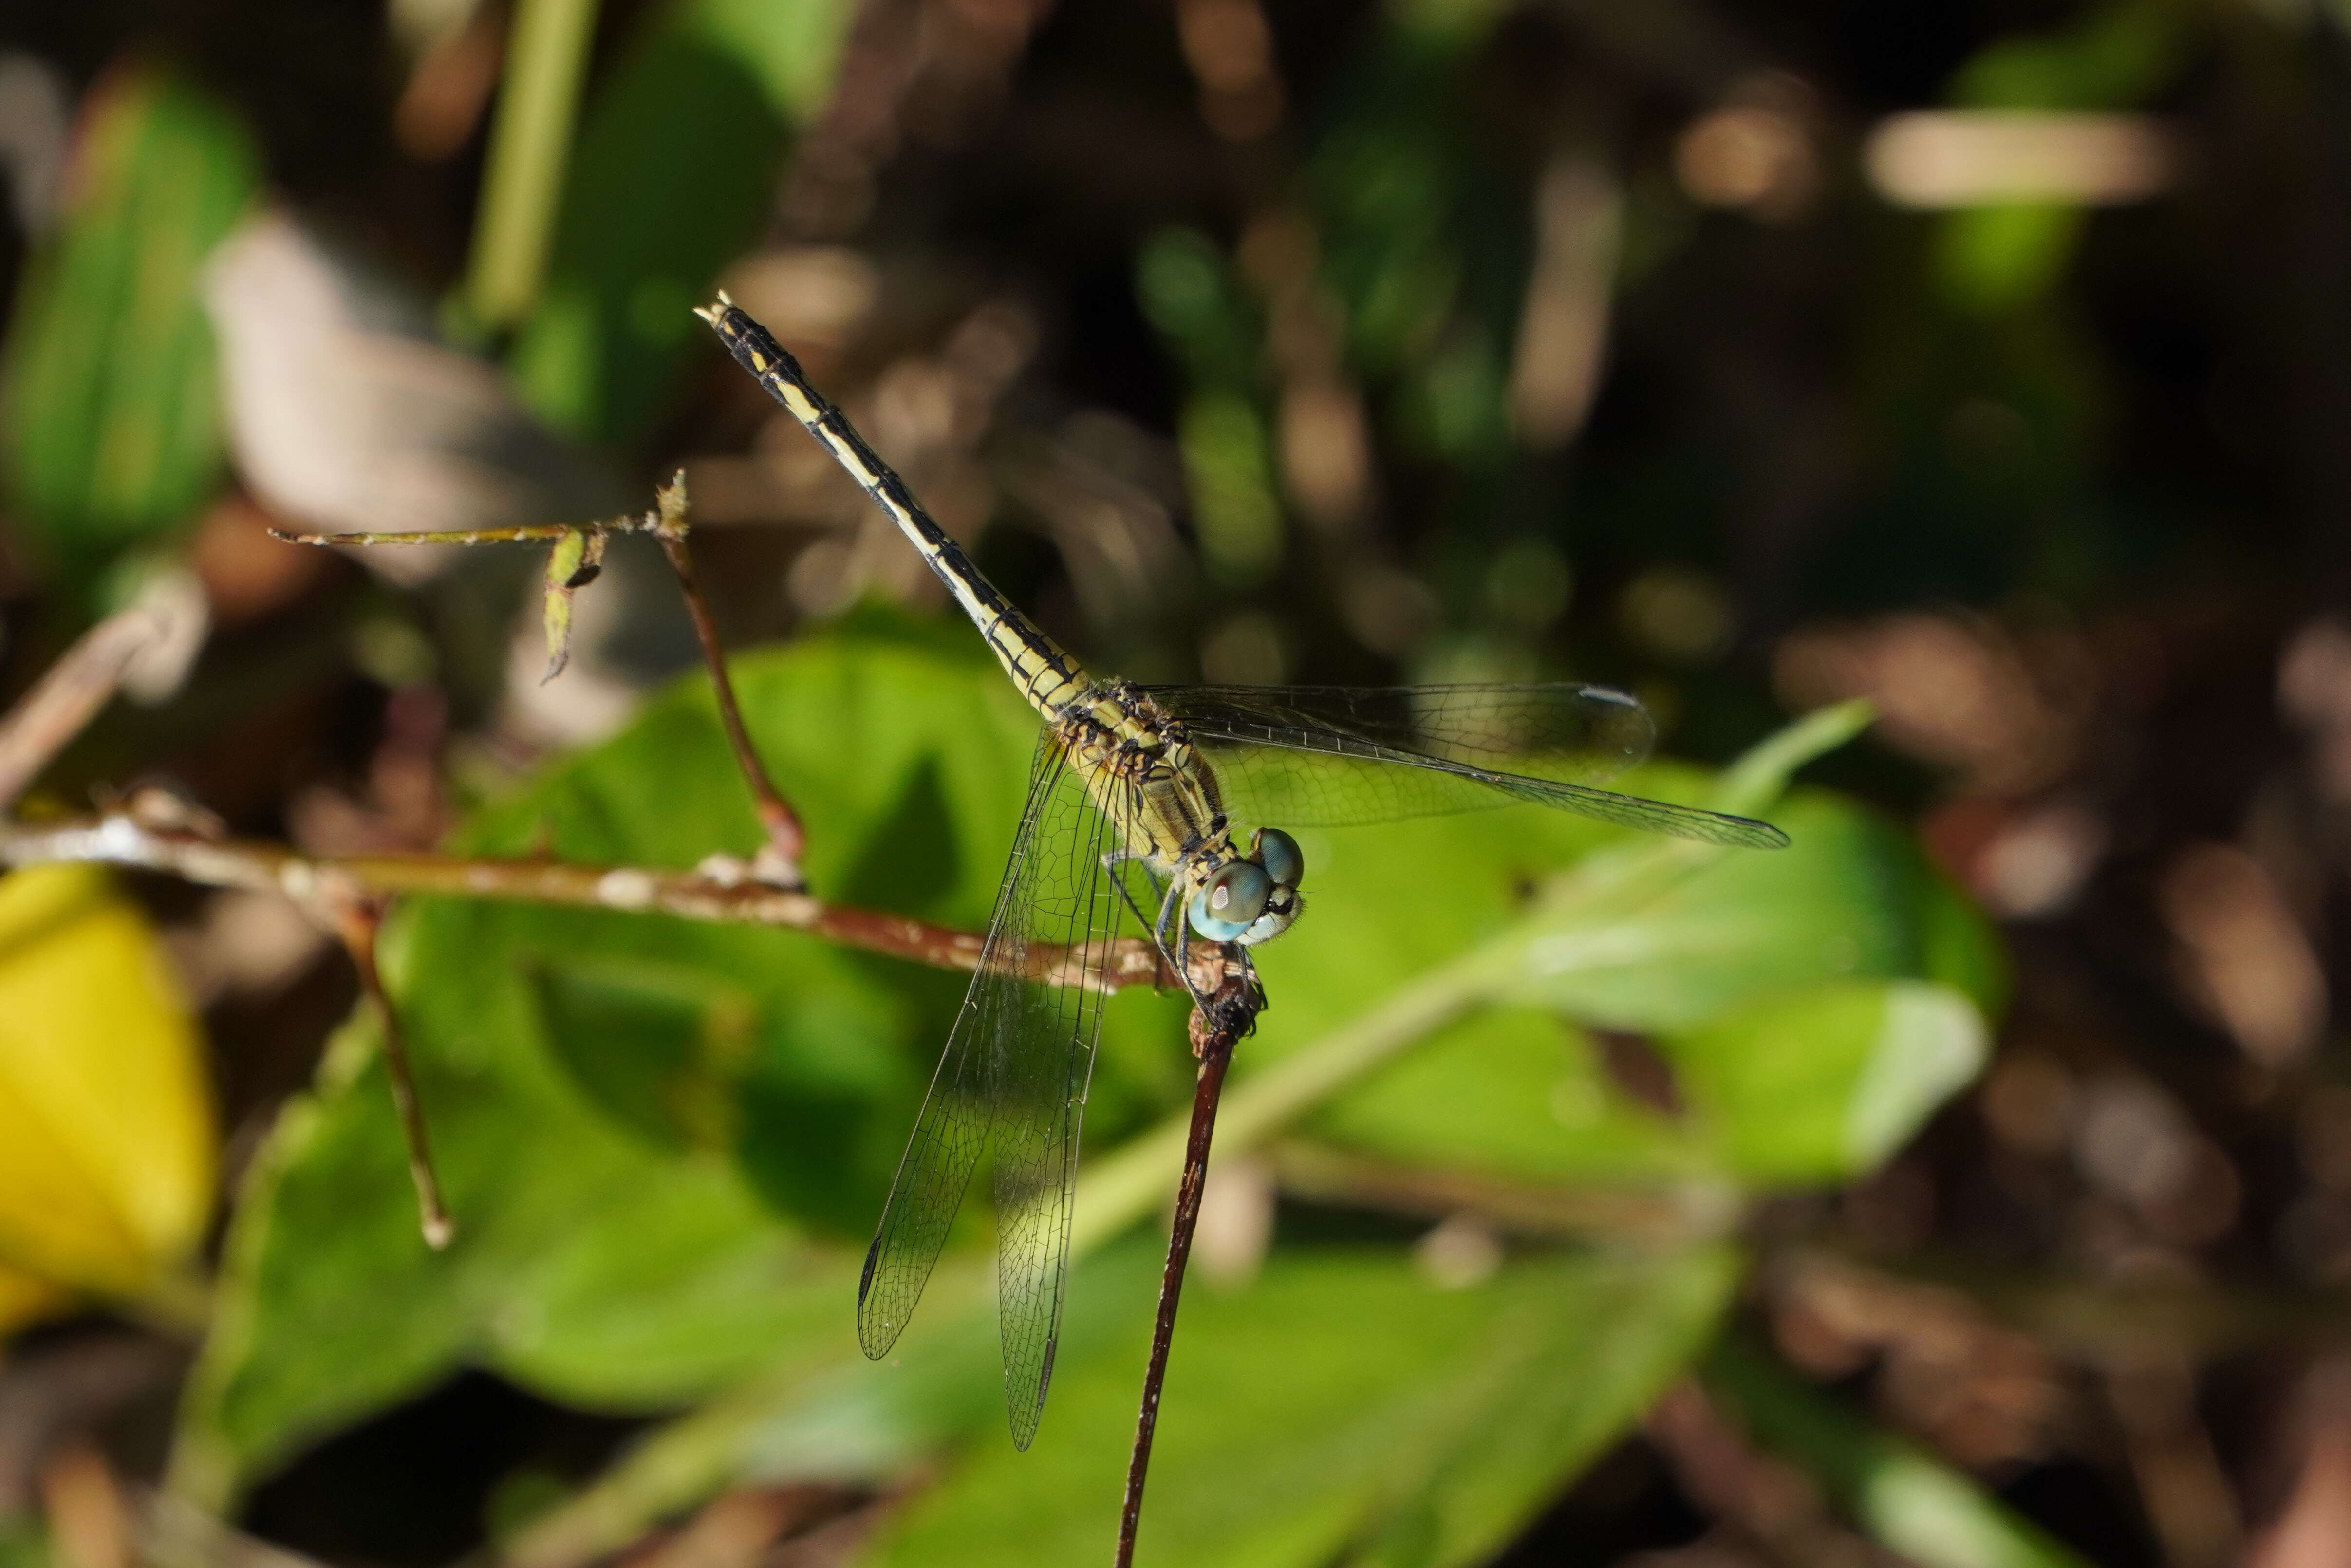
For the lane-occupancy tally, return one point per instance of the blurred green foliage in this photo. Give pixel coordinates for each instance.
(1339, 1407)
(1992, 260)
(110, 419)
(656, 201)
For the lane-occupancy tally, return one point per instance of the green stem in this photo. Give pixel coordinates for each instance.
(546, 57)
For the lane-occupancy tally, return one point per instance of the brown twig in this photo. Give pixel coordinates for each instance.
(785, 837)
(358, 921)
(1234, 1003)
(722, 892)
(69, 694)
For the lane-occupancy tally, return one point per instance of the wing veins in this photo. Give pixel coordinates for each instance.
(1012, 1081)
(1583, 799)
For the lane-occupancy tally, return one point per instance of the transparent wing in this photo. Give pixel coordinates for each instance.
(1336, 755)
(1013, 1080)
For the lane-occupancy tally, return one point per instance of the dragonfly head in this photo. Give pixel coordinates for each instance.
(1253, 899)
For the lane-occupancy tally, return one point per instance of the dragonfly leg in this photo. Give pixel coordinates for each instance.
(1177, 958)
(1113, 864)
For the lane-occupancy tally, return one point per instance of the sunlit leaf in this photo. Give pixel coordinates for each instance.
(665, 1142)
(1826, 1080)
(1340, 1408)
(662, 1140)
(107, 1156)
(1520, 1088)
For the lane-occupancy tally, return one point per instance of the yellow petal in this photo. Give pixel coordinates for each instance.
(107, 1147)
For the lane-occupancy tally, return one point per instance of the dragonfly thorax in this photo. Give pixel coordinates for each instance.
(1143, 773)
(1162, 797)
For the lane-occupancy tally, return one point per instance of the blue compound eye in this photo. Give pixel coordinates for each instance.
(1283, 860)
(1237, 892)
(1232, 899)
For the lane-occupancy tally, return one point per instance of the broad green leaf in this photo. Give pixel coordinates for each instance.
(596, 1080)
(943, 1381)
(108, 401)
(1626, 934)
(107, 1162)
(594, 1268)
(1339, 1408)
(1824, 1082)
(657, 199)
(664, 1142)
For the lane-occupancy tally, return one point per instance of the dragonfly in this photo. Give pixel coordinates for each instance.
(1135, 805)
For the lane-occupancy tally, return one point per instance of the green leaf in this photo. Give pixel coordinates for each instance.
(662, 1140)
(597, 1080)
(1636, 935)
(108, 401)
(585, 1264)
(1455, 947)
(575, 562)
(1825, 1082)
(1761, 775)
(1340, 1409)
(673, 175)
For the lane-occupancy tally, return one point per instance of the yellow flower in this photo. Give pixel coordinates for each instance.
(107, 1146)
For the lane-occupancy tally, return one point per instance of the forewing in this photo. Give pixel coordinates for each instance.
(1012, 1079)
(1338, 756)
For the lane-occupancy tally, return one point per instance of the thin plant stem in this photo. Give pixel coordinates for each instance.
(68, 695)
(721, 892)
(785, 837)
(530, 143)
(519, 534)
(359, 922)
(1215, 1032)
